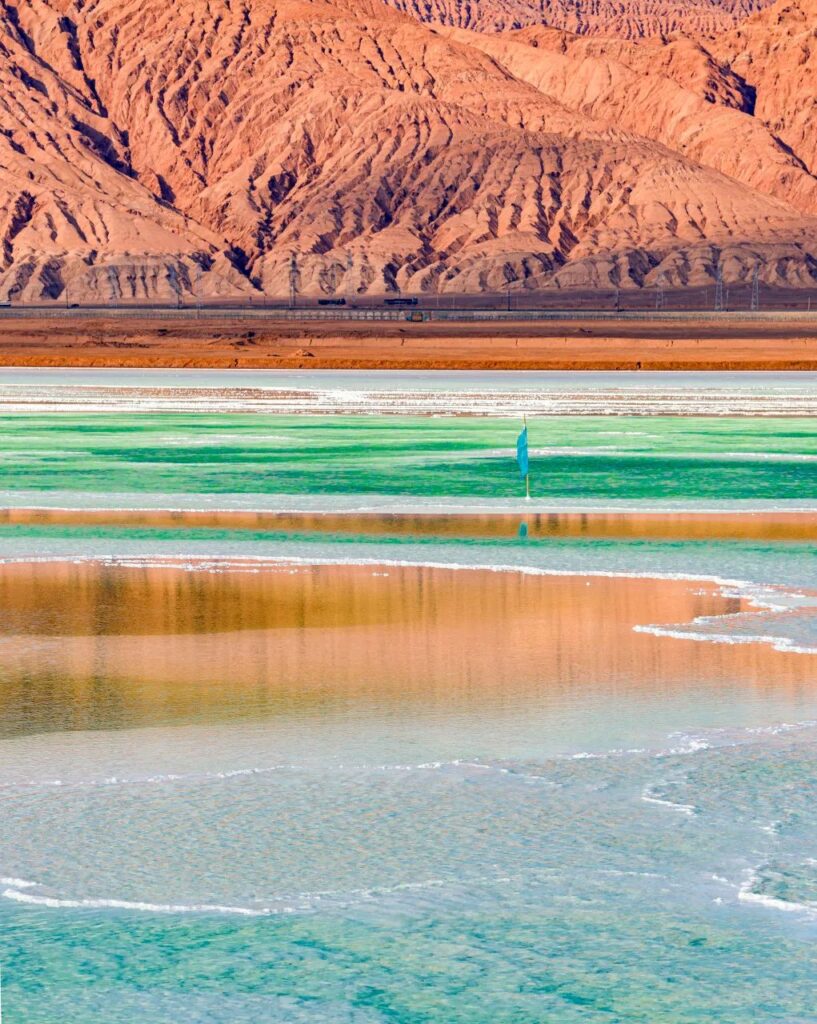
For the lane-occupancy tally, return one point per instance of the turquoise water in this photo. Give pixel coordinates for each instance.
(589, 849)
(376, 863)
(588, 458)
(599, 854)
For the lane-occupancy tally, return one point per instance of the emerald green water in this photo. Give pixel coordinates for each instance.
(587, 458)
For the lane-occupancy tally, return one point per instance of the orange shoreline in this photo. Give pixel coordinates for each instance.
(705, 344)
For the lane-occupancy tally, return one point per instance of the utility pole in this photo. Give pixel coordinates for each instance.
(198, 290)
(719, 290)
(659, 295)
(350, 267)
(113, 285)
(175, 284)
(754, 305)
(293, 280)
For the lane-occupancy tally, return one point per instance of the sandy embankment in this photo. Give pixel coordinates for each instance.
(707, 344)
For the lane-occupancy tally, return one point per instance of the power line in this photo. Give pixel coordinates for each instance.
(198, 290)
(659, 295)
(719, 290)
(175, 283)
(754, 305)
(113, 284)
(293, 280)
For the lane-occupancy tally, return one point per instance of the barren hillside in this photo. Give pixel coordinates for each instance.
(775, 52)
(155, 149)
(628, 19)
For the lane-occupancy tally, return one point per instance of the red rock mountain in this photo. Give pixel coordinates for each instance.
(150, 149)
(776, 54)
(629, 19)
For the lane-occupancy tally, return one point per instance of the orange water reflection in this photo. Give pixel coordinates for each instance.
(664, 525)
(95, 645)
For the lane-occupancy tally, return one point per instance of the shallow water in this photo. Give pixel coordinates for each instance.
(300, 773)
(266, 790)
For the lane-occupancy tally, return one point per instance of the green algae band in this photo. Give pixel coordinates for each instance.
(588, 458)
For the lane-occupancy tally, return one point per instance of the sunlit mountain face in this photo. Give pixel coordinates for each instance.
(161, 151)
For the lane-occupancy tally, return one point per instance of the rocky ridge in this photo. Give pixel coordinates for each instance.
(628, 19)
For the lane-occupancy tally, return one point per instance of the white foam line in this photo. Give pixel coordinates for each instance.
(747, 895)
(741, 588)
(649, 797)
(301, 902)
(781, 644)
(147, 780)
(693, 745)
(194, 777)
(587, 755)
(236, 773)
(782, 727)
(152, 908)
(509, 772)
(193, 563)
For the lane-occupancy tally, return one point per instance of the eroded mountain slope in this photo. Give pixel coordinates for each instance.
(628, 19)
(75, 220)
(776, 53)
(150, 148)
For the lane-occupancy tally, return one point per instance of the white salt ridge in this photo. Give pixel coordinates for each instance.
(685, 745)
(404, 394)
(649, 797)
(19, 892)
(690, 745)
(747, 894)
(782, 727)
(764, 600)
(237, 773)
(590, 755)
(151, 908)
(399, 504)
(144, 780)
(782, 644)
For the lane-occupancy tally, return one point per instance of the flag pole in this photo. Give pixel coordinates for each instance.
(527, 475)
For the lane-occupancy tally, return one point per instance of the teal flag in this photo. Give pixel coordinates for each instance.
(522, 453)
